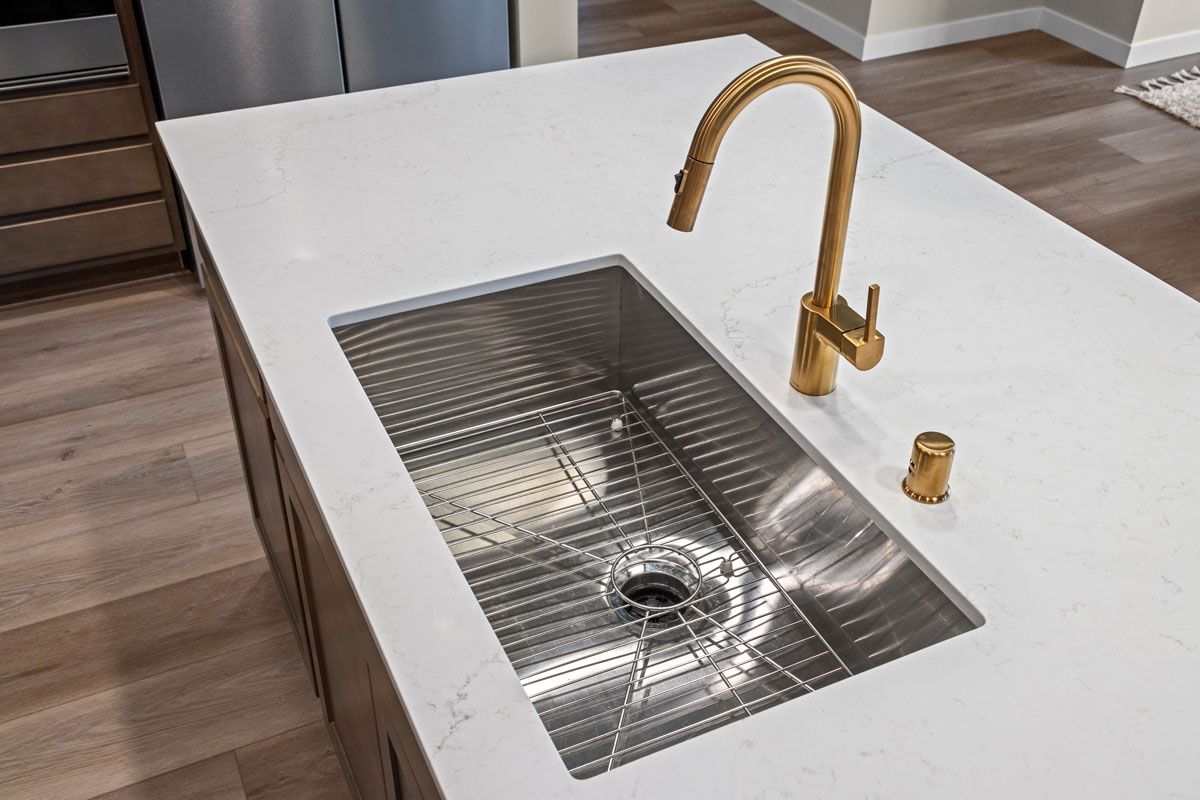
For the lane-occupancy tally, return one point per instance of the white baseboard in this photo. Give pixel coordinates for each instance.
(1164, 47)
(836, 33)
(1082, 35)
(867, 47)
(883, 45)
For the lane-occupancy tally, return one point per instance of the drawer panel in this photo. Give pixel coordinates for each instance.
(33, 123)
(78, 237)
(82, 178)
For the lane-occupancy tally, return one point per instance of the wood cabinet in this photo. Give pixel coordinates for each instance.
(77, 178)
(406, 775)
(59, 119)
(85, 190)
(366, 720)
(256, 442)
(341, 649)
(51, 241)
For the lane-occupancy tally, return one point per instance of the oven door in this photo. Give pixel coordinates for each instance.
(54, 40)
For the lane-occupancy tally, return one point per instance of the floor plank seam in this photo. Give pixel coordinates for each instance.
(284, 630)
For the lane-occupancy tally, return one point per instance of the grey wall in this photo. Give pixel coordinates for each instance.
(1115, 17)
(890, 16)
(1112, 29)
(851, 13)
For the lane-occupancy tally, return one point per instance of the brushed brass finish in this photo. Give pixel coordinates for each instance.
(690, 183)
(872, 313)
(928, 478)
(827, 325)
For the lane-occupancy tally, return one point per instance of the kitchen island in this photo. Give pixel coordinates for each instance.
(1067, 376)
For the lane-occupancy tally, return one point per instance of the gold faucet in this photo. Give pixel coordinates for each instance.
(828, 326)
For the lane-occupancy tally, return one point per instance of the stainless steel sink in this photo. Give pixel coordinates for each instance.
(656, 555)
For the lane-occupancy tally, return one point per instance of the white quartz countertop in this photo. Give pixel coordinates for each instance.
(1069, 378)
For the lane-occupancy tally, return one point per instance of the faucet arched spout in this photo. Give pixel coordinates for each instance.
(847, 121)
(814, 369)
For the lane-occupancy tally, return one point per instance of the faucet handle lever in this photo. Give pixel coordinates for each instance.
(856, 338)
(872, 312)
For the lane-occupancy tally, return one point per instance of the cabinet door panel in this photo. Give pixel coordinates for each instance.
(258, 463)
(402, 782)
(341, 645)
(408, 776)
(294, 515)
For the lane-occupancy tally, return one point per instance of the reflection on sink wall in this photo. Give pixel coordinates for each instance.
(656, 555)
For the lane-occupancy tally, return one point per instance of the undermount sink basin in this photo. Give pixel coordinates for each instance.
(656, 555)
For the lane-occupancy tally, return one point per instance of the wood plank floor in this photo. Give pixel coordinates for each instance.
(144, 652)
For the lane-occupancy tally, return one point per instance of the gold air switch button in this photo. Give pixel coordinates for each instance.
(928, 478)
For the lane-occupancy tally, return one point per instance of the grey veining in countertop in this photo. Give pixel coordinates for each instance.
(1068, 377)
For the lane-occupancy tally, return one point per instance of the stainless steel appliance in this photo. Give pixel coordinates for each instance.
(390, 42)
(51, 41)
(217, 55)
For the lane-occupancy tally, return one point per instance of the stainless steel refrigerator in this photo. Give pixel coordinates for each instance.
(217, 55)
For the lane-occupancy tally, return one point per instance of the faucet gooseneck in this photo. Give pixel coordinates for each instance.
(828, 326)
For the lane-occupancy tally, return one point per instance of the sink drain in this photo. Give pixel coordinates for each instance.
(656, 591)
(651, 581)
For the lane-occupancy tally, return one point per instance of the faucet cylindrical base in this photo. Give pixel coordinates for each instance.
(814, 363)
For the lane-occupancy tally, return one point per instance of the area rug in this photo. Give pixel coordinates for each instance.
(1178, 94)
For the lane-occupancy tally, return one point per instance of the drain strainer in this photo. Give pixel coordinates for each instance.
(652, 581)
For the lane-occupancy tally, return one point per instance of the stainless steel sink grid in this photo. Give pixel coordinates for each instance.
(656, 556)
(550, 515)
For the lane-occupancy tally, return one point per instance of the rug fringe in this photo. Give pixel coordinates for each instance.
(1177, 94)
(1174, 79)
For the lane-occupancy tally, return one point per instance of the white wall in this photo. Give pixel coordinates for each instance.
(1166, 29)
(544, 31)
(1162, 18)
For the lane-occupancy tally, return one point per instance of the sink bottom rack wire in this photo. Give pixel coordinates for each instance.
(546, 513)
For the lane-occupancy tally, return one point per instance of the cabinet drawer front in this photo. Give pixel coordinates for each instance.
(34, 123)
(78, 237)
(81, 178)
